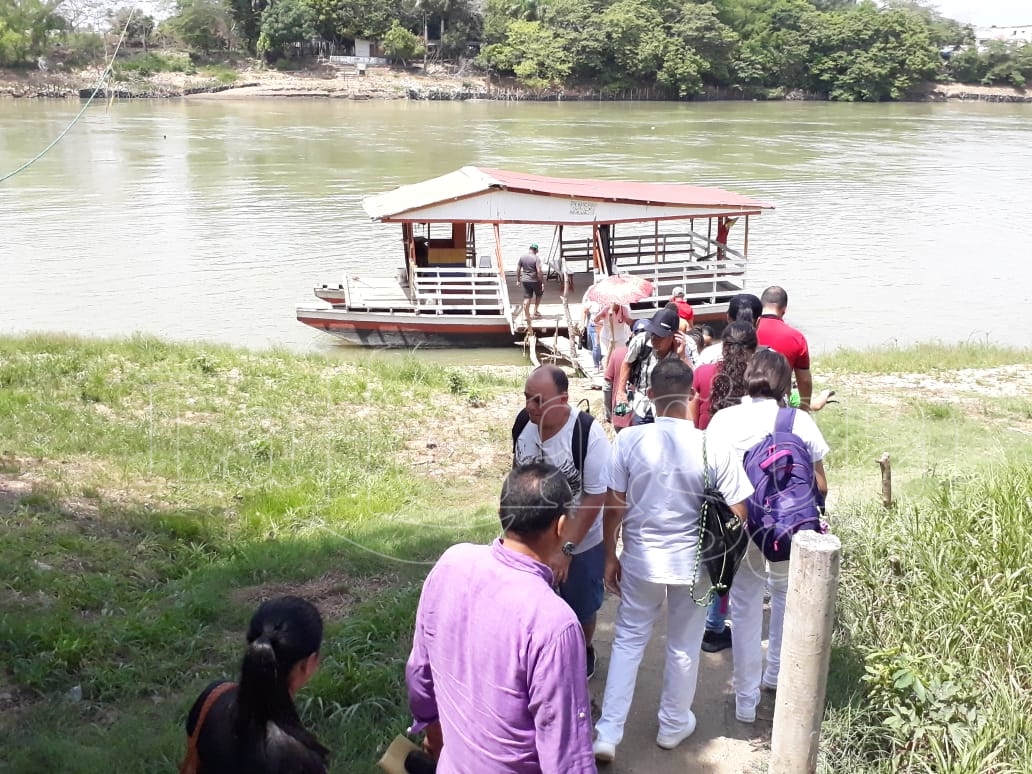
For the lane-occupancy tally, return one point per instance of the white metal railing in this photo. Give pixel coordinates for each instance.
(687, 260)
(441, 289)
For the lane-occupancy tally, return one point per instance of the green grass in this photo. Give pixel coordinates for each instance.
(154, 62)
(921, 358)
(173, 486)
(221, 73)
(935, 606)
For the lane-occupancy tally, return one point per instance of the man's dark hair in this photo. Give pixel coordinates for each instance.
(746, 307)
(559, 377)
(775, 296)
(534, 496)
(671, 383)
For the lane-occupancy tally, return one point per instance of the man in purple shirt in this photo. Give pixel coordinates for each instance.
(496, 676)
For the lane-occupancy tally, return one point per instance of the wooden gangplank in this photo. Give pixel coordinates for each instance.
(558, 350)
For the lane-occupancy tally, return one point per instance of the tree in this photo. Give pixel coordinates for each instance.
(247, 15)
(25, 30)
(202, 25)
(533, 53)
(137, 25)
(366, 19)
(711, 41)
(871, 55)
(283, 24)
(401, 44)
(629, 26)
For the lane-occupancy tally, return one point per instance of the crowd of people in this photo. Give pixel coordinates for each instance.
(502, 648)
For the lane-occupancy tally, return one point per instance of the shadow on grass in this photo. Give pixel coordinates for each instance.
(113, 618)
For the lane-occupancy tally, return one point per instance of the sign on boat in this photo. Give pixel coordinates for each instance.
(447, 292)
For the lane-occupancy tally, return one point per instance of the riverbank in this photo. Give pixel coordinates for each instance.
(377, 83)
(151, 493)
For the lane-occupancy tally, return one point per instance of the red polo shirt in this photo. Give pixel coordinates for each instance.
(703, 386)
(782, 337)
(684, 310)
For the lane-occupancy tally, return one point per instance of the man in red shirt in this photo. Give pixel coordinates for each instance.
(775, 333)
(684, 309)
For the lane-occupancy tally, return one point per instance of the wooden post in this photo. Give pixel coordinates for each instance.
(805, 652)
(886, 480)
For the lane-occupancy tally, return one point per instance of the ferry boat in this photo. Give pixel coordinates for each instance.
(449, 291)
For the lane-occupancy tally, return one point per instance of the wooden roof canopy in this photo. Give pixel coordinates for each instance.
(481, 195)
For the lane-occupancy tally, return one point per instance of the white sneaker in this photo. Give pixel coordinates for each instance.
(745, 714)
(604, 751)
(670, 741)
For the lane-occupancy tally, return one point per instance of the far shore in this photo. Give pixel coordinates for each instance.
(383, 83)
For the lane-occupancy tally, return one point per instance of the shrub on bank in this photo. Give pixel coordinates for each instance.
(933, 670)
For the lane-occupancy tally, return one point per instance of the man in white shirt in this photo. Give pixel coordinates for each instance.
(656, 482)
(552, 436)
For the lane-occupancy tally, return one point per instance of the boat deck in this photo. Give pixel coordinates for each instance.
(392, 295)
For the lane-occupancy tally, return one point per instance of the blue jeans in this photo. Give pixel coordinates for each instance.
(583, 590)
(717, 614)
(596, 350)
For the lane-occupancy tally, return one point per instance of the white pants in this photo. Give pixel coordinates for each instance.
(640, 606)
(753, 575)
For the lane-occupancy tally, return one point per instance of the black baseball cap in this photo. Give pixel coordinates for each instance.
(665, 322)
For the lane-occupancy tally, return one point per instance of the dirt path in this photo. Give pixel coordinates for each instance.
(720, 744)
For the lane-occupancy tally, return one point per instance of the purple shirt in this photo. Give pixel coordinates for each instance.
(499, 658)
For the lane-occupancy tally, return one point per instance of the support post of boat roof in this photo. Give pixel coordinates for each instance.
(709, 233)
(409, 246)
(596, 259)
(745, 247)
(499, 261)
(655, 241)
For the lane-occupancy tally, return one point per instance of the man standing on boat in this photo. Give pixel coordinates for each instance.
(775, 333)
(532, 278)
(550, 430)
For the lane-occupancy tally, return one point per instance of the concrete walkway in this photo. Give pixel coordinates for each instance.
(720, 744)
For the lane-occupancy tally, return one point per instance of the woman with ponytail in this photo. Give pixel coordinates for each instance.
(253, 726)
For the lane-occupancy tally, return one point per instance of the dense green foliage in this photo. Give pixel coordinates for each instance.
(839, 49)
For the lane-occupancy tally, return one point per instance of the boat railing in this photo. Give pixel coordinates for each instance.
(440, 289)
(663, 248)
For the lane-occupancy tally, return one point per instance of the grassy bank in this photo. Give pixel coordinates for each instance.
(151, 494)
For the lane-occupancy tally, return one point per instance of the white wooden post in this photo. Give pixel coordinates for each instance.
(805, 652)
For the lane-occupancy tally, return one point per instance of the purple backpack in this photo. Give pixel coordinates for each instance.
(786, 499)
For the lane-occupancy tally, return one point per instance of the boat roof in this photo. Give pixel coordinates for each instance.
(483, 195)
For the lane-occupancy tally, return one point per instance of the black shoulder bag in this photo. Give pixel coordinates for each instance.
(722, 537)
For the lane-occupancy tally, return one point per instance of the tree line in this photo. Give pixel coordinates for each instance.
(678, 49)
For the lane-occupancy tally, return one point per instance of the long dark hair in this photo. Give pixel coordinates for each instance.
(729, 384)
(769, 375)
(283, 633)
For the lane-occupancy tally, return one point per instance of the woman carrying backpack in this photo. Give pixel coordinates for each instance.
(252, 726)
(768, 378)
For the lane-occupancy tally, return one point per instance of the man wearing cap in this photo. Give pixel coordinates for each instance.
(530, 275)
(661, 339)
(684, 309)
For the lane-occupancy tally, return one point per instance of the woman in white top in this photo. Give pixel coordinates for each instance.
(769, 378)
(615, 328)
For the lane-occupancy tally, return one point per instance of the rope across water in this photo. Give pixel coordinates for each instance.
(100, 84)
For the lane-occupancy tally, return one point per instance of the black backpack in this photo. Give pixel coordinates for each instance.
(581, 433)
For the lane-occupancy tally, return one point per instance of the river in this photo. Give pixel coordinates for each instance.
(211, 219)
